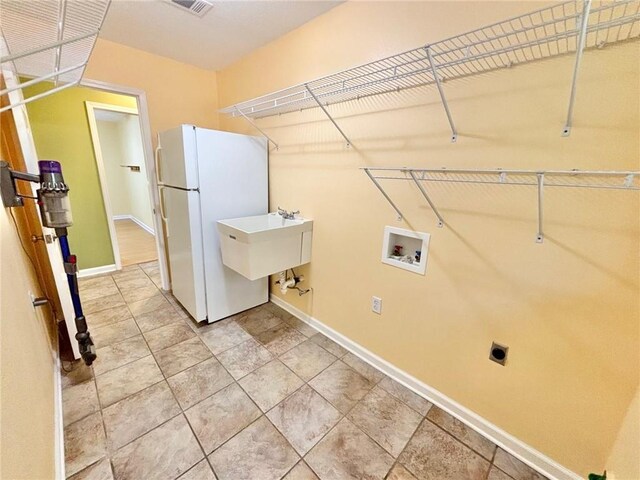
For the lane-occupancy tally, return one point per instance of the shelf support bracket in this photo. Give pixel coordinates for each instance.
(384, 194)
(427, 198)
(454, 132)
(540, 235)
(329, 116)
(582, 38)
(252, 123)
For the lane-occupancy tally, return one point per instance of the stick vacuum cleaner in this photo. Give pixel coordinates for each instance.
(55, 211)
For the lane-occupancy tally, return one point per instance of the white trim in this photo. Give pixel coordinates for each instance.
(139, 222)
(91, 272)
(532, 457)
(59, 418)
(102, 175)
(145, 125)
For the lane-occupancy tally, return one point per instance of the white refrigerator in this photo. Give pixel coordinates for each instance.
(205, 176)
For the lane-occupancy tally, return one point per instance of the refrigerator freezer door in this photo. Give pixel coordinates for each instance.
(178, 158)
(233, 183)
(184, 241)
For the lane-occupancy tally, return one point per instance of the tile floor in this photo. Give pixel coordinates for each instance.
(257, 396)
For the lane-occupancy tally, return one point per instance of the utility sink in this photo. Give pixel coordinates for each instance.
(262, 245)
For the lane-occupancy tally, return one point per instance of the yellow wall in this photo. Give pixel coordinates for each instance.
(624, 460)
(176, 92)
(27, 448)
(60, 130)
(568, 309)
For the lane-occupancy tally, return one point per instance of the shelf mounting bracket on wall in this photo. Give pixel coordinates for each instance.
(427, 198)
(384, 194)
(436, 78)
(582, 37)
(540, 234)
(257, 127)
(327, 114)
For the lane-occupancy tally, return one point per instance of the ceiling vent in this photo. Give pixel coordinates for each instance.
(195, 7)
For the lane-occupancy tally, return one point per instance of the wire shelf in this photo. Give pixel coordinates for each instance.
(537, 35)
(49, 40)
(596, 179)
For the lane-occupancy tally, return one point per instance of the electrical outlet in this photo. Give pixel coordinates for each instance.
(376, 305)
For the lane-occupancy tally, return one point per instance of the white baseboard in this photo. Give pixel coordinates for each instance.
(140, 223)
(90, 272)
(59, 419)
(529, 455)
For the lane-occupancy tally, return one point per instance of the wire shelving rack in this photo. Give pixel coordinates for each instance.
(48, 40)
(568, 27)
(541, 179)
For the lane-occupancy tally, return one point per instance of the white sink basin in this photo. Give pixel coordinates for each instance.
(262, 245)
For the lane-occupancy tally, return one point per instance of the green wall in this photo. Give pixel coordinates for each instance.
(61, 132)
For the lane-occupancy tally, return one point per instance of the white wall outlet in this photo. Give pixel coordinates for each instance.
(376, 305)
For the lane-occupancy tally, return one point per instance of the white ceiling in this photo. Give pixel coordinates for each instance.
(227, 32)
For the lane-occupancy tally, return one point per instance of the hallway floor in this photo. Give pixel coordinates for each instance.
(257, 396)
(136, 244)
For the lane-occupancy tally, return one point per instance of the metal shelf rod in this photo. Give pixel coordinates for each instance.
(454, 133)
(328, 115)
(10, 58)
(257, 128)
(566, 131)
(42, 78)
(384, 194)
(429, 201)
(39, 96)
(507, 171)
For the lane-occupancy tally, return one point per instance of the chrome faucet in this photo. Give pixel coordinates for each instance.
(288, 215)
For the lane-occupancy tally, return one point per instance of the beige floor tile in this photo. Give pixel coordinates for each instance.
(93, 282)
(223, 336)
(127, 380)
(218, 418)
(328, 344)
(181, 356)
(258, 452)
(363, 368)
(149, 266)
(301, 472)
(163, 453)
(466, 435)
(119, 354)
(398, 472)
(304, 418)
(270, 384)
(341, 385)
(75, 372)
(88, 294)
(158, 318)
(78, 401)
(405, 395)
(307, 359)
(496, 474)
(305, 329)
(164, 337)
(432, 454)
(202, 471)
(84, 443)
(128, 272)
(100, 470)
(107, 317)
(104, 303)
(132, 295)
(346, 453)
(244, 358)
(199, 382)
(116, 332)
(138, 414)
(131, 283)
(514, 467)
(280, 339)
(258, 320)
(386, 420)
(148, 304)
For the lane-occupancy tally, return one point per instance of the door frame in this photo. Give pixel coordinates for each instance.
(102, 174)
(150, 164)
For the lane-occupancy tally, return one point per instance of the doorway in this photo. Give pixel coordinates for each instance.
(119, 152)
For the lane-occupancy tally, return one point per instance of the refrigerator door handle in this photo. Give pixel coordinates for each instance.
(162, 213)
(156, 159)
